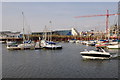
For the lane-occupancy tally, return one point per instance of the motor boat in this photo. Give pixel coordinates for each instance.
(95, 54)
(117, 46)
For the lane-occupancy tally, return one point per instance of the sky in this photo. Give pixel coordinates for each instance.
(59, 0)
(61, 14)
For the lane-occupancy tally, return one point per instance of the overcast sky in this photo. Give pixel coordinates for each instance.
(38, 14)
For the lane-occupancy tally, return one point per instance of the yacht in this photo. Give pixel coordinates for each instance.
(12, 46)
(50, 45)
(117, 46)
(37, 45)
(10, 42)
(27, 45)
(24, 45)
(95, 54)
(113, 42)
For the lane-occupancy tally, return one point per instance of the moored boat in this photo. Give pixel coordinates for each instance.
(27, 45)
(117, 46)
(50, 45)
(72, 40)
(2, 41)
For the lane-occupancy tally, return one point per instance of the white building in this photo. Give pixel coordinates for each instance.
(74, 32)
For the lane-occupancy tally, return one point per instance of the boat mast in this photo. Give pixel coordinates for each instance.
(50, 31)
(23, 28)
(45, 36)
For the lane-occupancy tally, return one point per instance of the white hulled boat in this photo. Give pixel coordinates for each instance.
(27, 44)
(72, 40)
(49, 44)
(10, 42)
(117, 46)
(95, 54)
(2, 41)
(12, 46)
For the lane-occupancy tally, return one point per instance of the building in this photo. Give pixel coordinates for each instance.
(56, 32)
(92, 33)
(67, 32)
(74, 32)
(62, 32)
(5, 34)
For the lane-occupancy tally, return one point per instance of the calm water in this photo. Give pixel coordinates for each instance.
(65, 63)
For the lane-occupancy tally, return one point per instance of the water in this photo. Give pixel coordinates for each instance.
(65, 63)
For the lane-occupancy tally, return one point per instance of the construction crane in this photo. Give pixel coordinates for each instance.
(107, 18)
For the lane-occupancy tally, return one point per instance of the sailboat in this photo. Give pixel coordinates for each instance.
(26, 44)
(117, 45)
(49, 44)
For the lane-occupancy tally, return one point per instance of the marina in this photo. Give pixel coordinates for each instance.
(61, 44)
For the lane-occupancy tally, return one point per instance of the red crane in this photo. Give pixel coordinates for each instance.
(107, 17)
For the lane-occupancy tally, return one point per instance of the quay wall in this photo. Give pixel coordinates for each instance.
(58, 38)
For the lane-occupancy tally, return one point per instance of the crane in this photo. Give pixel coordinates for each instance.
(107, 18)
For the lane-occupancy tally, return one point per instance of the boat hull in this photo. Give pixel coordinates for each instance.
(13, 48)
(52, 47)
(90, 57)
(26, 46)
(95, 56)
(113, 47)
